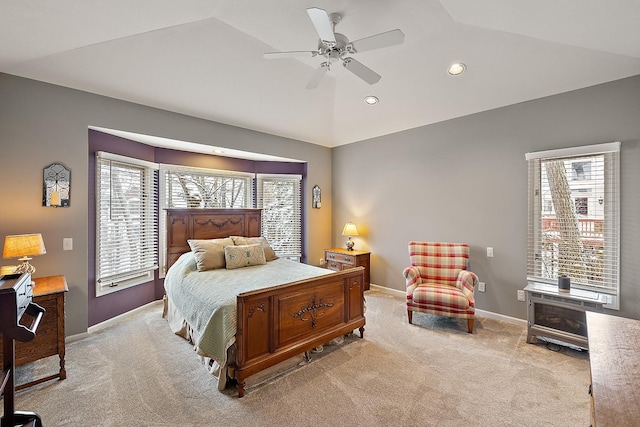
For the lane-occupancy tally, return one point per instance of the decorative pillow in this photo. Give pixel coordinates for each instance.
(209, 254)
(269, 253)
(244, 256)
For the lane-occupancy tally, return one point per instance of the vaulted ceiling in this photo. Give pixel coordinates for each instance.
(204, 57)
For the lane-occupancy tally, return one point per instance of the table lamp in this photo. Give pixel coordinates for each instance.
(23, 246)
(349, 230)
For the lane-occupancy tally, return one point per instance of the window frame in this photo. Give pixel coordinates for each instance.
(107, 282)
(294, 250)
(611, 216)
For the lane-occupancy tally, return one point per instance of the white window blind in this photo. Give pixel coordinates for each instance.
(574, 217)
(279, 197)
(126, 222)
(188, 187)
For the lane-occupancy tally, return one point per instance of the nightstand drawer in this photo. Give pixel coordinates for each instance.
(341, 258)
(337, 266)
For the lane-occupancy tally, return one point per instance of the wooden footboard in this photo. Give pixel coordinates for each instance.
(278, 323)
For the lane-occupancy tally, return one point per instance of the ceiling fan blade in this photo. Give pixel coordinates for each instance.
(390, 38)
(321, 21)
(317, 76)
(291, 54)
(362, 71)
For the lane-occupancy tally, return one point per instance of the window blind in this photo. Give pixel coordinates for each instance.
(188, 187)
(279, 197)
(126, 222)
(574, 217)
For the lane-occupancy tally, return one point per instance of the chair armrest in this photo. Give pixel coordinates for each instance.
(412, 277)
(466, 282)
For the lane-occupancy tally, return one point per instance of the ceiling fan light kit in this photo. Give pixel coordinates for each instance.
(335, 47)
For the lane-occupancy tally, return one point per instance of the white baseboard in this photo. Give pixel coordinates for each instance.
(401, 293)
(107, 323)
(481, 313)
(501, 317)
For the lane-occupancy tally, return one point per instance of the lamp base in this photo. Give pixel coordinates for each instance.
(350, 244)
(25, 267)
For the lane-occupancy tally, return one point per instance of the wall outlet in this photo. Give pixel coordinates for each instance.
(321, 261)
(489, 252)
(520, 295)
(482, 287)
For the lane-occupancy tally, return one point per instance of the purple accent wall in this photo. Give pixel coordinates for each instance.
(114, 304)
(111, 305)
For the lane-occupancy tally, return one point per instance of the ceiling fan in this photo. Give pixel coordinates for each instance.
(334, 47)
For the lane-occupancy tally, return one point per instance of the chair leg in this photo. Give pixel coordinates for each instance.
(410, 314)
(470, 325)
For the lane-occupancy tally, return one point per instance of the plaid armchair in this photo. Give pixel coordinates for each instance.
(438, 281)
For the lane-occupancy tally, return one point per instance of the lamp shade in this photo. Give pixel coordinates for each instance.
(349, 229)
(23, 245)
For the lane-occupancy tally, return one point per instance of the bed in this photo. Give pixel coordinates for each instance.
(263, 314)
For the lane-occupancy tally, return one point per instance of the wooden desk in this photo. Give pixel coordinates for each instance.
(48, 293)
(615, 370)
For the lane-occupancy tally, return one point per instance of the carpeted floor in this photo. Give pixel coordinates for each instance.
(432, 373)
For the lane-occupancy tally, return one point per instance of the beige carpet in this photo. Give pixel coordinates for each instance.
(431, 373)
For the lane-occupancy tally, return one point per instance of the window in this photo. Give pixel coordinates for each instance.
(190, 187)
(126, 222)
(207, 188)
(280, 199)
(579, 237)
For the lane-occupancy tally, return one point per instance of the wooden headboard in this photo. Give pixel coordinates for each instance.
(186, 224)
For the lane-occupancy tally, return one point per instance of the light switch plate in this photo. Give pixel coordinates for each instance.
(67, 244)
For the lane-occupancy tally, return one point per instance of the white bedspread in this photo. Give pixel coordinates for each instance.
(207, 299)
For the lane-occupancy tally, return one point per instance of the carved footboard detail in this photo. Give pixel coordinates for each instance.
(278, 323)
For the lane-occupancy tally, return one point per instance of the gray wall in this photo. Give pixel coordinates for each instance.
(42, 123)
(460, 180)
(465, 180)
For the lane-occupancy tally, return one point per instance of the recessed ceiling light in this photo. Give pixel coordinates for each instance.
(218, 151)
(457, 69)
(371, 100)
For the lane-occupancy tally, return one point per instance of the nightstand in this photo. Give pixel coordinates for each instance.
(337, 259)
(48, 293)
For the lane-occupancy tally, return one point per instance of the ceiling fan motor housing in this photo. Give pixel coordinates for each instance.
(335, 51)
